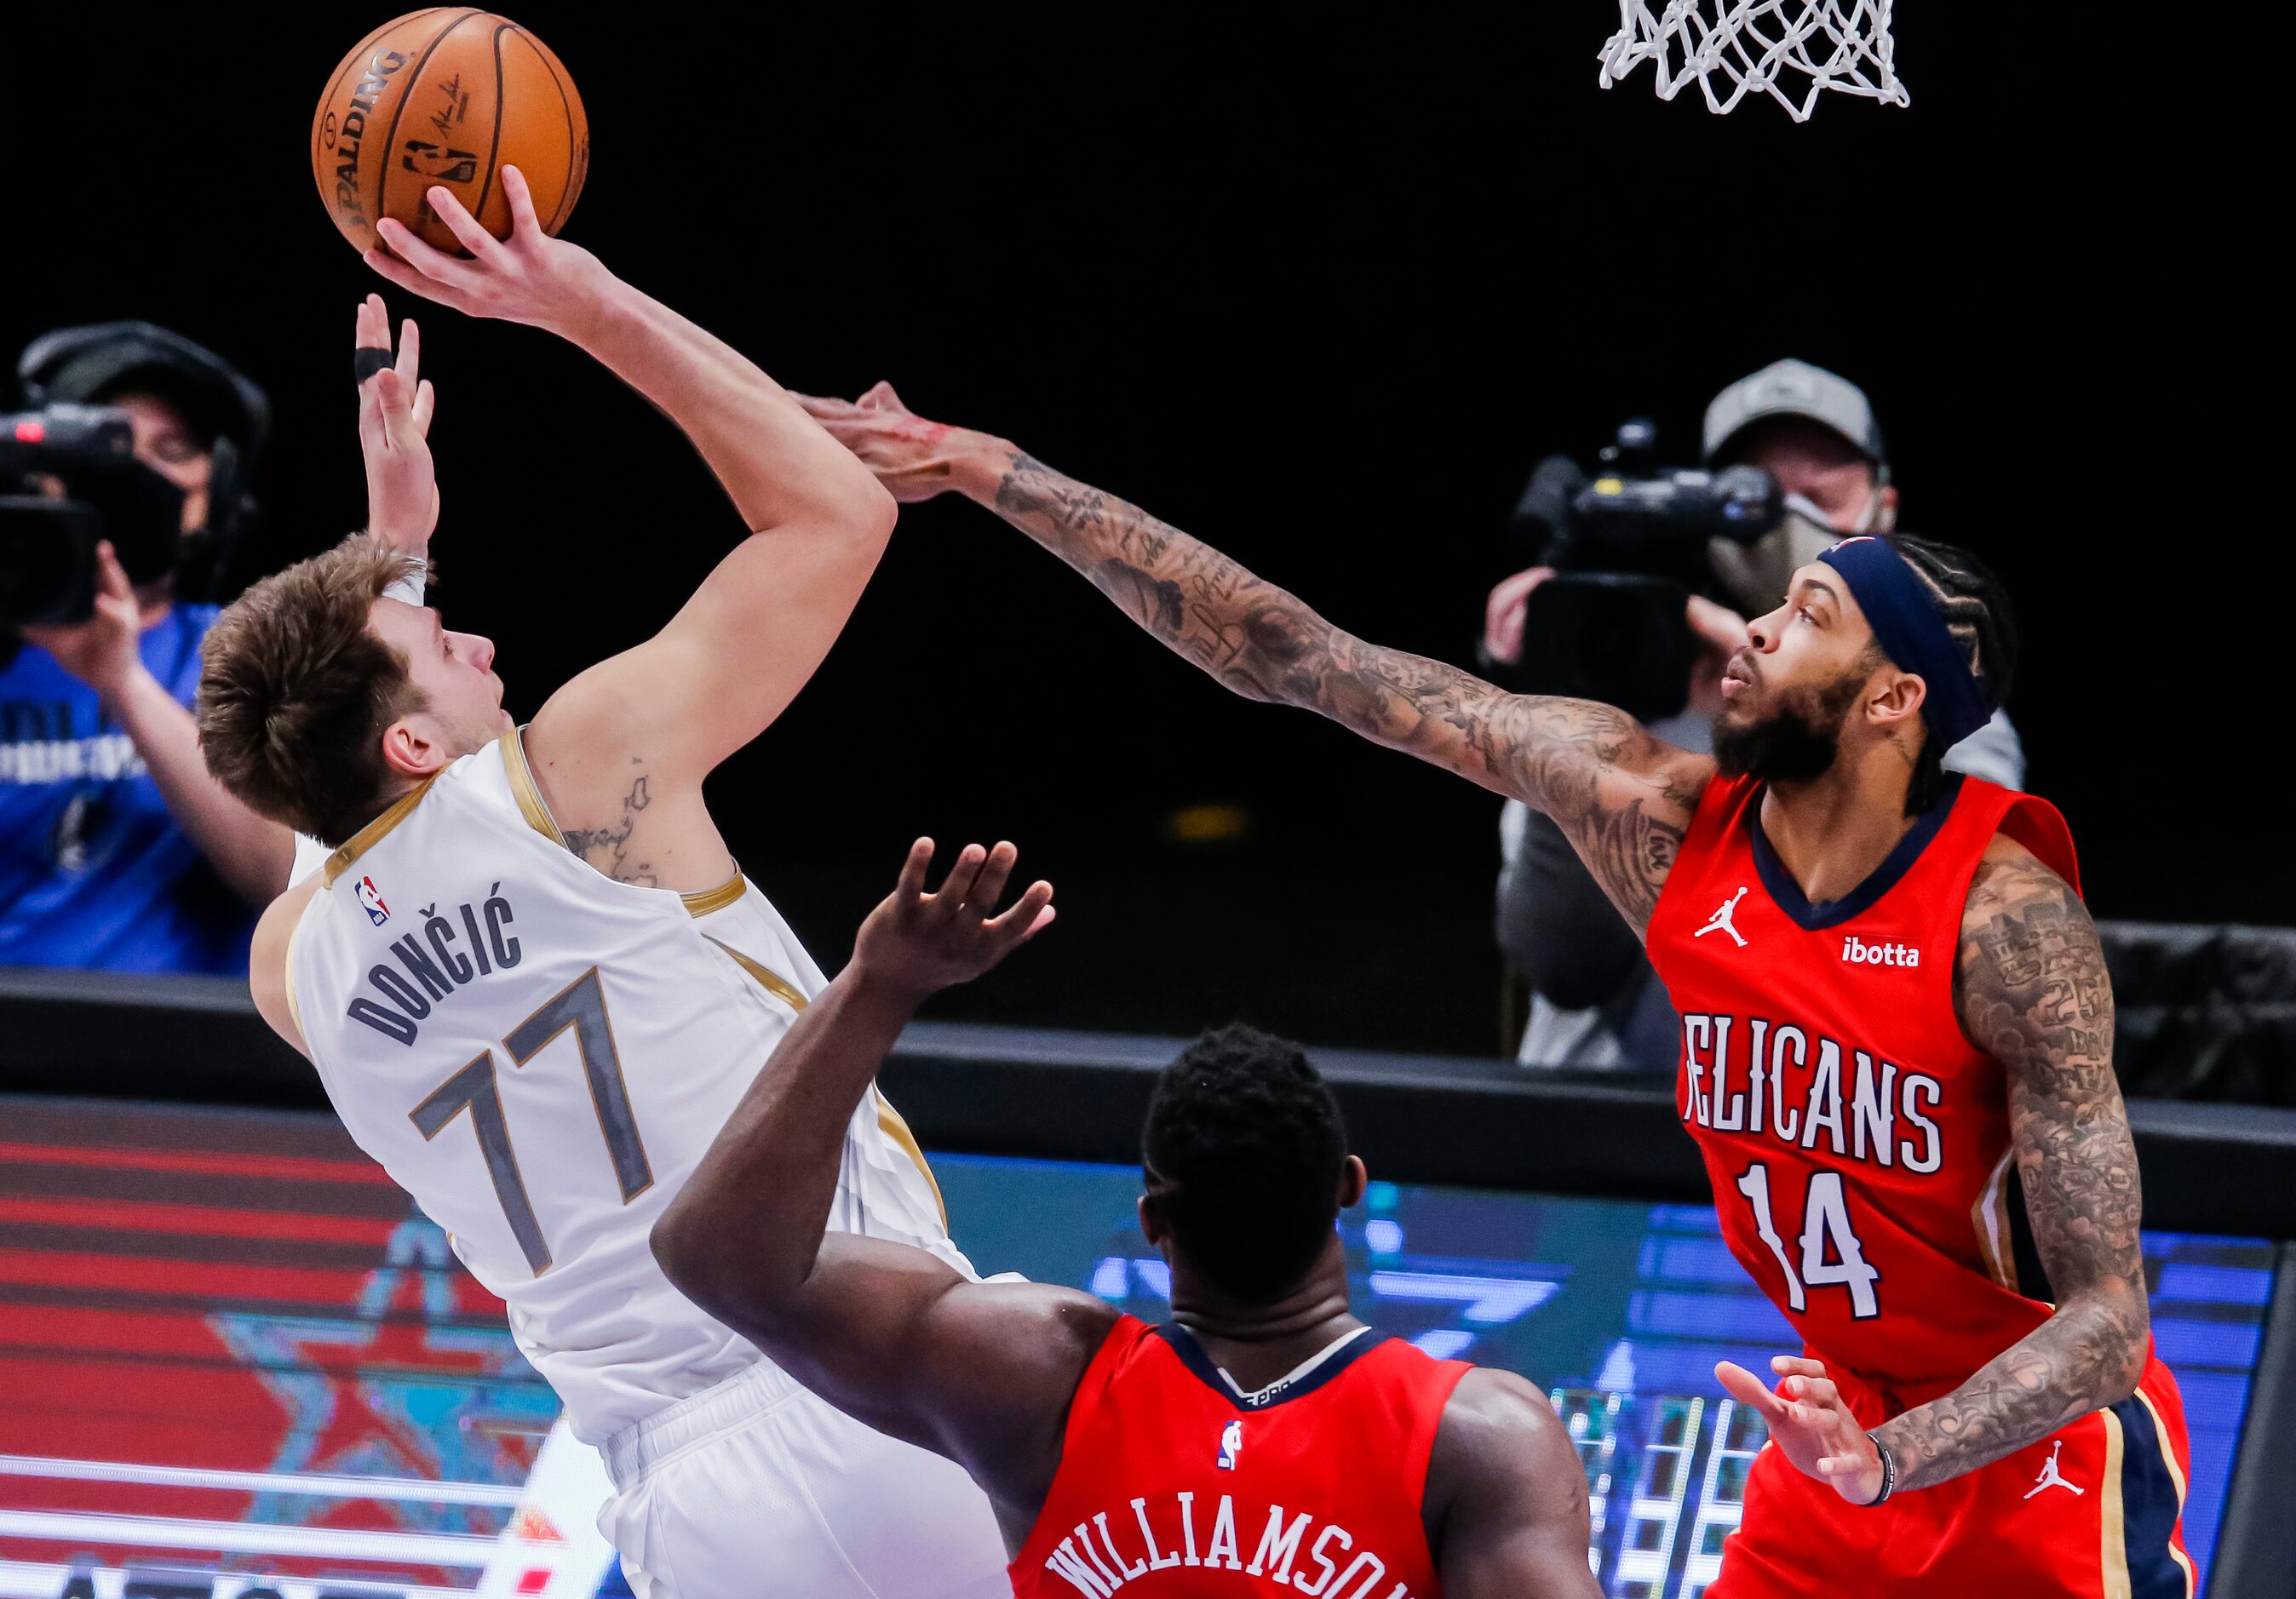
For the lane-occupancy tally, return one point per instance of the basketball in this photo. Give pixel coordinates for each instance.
(447, 96)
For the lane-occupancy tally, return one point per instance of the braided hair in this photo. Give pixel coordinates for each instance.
(1975, 606)
(1246, 1143)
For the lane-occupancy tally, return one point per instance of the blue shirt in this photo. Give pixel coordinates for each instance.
(93, 870)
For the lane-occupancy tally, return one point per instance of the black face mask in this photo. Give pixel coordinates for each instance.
(47, 546)
(1796, 743)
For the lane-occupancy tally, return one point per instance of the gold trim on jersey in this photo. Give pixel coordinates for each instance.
(536, 809)
(717, 898)
(780, 987)
(2176, 1476)
(2168, 1453)
(2115, 1554)
(524, 789)
(890, 1124)
(1990, 1217)
(366, 838)
(889, 1120)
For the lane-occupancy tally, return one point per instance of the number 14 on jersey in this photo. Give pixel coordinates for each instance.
(1831, 1254)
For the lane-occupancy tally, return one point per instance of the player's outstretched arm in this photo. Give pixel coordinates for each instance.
(887, 1333)
(1624, 798)
(732, 659)
(2032, 991)
(1506, 1496)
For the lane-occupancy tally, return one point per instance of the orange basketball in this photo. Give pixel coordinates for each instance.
(448, 96)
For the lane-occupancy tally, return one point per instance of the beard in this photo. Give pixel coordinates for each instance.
(1796, 741)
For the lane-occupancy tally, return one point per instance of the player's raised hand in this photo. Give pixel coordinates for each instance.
(914, 459)
(1808, 1420)
(528, 278)
(395, 402)
(917, 943)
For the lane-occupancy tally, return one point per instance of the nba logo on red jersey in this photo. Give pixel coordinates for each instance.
(1231, 1445)
(371, 897)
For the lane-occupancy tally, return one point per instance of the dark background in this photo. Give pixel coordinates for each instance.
(1320, 293)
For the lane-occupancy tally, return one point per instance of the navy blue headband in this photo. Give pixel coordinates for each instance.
(1912, 634)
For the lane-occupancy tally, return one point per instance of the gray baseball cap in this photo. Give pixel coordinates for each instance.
(1793, 388)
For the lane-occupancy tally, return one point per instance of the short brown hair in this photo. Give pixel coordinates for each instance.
(295, 690)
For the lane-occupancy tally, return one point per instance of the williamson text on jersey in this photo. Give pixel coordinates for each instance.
(1174, 1530)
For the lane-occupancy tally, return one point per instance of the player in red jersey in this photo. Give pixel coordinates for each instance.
(1928, 996)
(1262, 1441)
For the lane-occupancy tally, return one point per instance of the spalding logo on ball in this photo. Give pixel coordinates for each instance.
(448, 96)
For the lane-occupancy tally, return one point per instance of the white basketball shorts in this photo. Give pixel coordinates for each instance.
(756, 1488)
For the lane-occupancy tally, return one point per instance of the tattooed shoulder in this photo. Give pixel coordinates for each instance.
(2030, 979)
(2033, 992)
(608, 848)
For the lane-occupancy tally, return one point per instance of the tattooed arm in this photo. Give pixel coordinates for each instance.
(2031, 985)
(2032, 991)
(1623, 797)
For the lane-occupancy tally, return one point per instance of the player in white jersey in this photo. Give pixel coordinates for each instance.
(535, 983)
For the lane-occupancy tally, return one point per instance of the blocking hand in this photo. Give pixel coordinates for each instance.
(918, 944)
(914, 459)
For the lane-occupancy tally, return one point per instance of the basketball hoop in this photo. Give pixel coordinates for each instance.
(1839, 45)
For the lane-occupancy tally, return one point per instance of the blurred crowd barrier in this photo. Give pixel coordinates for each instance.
(2204, 1012)
(1048, 1094)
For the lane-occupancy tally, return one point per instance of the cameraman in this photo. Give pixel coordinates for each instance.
(1595, 1002)
(116, 849)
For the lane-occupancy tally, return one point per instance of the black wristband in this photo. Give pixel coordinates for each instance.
(1889, 1472)
(365, 362)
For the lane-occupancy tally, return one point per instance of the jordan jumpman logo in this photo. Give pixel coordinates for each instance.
(2050, 1476)
(1720, 921)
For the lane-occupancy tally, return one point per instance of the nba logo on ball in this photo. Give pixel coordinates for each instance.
(1231, 1445)
(446, 96)
(370, 896)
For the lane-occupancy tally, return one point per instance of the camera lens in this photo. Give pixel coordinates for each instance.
(41, 542)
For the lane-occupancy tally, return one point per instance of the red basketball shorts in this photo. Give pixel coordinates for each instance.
(2095, 1509)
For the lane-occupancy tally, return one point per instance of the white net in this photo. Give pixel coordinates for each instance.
(1785, 48)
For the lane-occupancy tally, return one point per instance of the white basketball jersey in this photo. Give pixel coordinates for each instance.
(541, 1055)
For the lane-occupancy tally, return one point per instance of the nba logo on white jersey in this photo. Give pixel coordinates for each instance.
(1231, 1445)
(371, 897)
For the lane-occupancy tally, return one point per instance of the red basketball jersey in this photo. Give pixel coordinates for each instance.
(1174, 1484)
(1859, 1143)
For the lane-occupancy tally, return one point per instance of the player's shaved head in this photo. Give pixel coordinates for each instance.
(1245, 1149)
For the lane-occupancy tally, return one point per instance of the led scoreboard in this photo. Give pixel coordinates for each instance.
(236, 1364)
